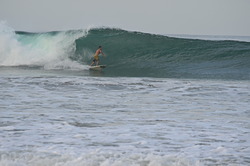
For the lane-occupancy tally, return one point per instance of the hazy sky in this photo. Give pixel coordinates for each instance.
(201, 17)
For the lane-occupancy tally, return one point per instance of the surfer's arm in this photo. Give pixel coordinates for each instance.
(103, 54)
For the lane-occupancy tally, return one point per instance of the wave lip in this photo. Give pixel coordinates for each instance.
(212, 37)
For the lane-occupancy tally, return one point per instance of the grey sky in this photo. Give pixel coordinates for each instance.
(201, 17)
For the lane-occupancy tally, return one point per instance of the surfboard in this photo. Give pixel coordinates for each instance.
(97, 68)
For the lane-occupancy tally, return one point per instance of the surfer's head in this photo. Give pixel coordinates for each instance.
(100, 47)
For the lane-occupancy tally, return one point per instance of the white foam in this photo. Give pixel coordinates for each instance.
(51, 51)
(133, 121)
(95, 158)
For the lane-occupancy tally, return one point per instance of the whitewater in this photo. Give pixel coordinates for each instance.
(161, 101)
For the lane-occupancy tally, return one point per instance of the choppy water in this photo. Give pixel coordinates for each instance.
(65, 118)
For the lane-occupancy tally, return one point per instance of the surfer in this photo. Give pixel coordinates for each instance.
(96, 56)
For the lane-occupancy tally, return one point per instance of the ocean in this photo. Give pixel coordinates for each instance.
(162, 100)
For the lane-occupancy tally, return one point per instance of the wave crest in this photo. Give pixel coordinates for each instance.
(50, 50)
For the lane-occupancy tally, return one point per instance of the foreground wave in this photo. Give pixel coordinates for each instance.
(105, 121)
(95, 158)
(128, 53)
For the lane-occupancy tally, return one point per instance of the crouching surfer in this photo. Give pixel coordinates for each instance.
(96, 60)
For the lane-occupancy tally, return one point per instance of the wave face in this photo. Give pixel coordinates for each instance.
(140, 54)
(131, 54)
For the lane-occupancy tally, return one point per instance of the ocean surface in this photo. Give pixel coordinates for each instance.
(163, 100)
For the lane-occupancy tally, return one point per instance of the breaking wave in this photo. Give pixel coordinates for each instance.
(132, 54)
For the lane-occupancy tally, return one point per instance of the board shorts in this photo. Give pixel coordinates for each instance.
(96, 58)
